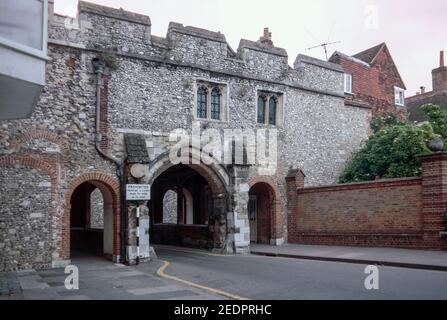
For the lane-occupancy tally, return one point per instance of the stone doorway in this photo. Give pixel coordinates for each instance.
(264, 213)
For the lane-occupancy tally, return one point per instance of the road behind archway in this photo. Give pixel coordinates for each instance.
(260, 277)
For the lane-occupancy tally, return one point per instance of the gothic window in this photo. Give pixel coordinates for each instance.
(269, 108)
(261, 108)
(272, 110)
(215, 104)
(211, 101)
(202, 97)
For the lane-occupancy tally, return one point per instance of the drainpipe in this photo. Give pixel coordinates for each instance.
(98, 67)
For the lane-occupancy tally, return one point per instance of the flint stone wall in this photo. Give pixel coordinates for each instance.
(151, 91)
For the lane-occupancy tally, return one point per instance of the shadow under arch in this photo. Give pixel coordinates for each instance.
(203, 202)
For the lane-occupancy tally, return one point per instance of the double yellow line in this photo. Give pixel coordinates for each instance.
(161, 272)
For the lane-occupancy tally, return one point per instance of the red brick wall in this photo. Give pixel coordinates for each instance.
(373, 85)
(405, 212)
(382, 207)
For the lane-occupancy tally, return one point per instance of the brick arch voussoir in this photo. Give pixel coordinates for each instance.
(268, 181)
(105, 179)
(40, 134)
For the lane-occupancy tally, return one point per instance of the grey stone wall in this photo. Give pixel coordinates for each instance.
(96, 209)
(66, 108)
(25, 218)
(170, 207)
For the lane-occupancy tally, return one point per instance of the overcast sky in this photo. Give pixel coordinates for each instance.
(414, 30)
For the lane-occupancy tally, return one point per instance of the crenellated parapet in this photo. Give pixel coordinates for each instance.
(126, 33)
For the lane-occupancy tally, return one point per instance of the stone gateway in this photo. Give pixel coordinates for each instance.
(113, 94)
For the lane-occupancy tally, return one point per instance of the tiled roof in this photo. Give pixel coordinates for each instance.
(368, 55)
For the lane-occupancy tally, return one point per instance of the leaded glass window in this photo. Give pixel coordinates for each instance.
(202, 96)
(261, 109)
(215, 104)
(272, 110)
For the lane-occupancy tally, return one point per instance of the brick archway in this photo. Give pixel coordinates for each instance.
(103, 181)
(40, 134)
(268, 187)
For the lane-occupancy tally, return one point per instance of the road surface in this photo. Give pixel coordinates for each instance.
(260, 277)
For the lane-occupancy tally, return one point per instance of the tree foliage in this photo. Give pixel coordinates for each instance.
(437, 119)
(390, 152)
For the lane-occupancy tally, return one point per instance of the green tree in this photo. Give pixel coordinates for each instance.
(390, 152)
(437, 119)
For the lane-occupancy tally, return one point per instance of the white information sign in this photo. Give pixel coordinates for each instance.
(138, 192)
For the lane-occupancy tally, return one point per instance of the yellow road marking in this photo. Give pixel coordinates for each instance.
(161, 273)
(170, 248)
(256, 256)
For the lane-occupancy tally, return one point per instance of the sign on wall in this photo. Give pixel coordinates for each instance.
(138, 192)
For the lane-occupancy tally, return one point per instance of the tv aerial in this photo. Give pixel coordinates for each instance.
(324, 46)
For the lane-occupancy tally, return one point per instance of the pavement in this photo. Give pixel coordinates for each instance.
(404, 258)
(99, 279)
(272, 272)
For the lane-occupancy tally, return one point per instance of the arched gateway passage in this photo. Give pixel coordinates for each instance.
(185, 206)
(93, 216)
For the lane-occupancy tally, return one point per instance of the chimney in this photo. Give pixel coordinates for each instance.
(267, 37)
(422, 89)
(439, 75)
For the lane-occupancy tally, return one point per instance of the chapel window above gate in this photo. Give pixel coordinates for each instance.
(211, 101)
(269, 109)
(202, 97)
(215, 104)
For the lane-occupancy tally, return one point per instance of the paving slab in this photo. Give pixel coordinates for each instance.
(99, 279)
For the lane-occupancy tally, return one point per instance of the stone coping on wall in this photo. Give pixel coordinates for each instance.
(196, 32)
(256, 46)
(433, 156)
(119, 14)
(319, 63)
(382, 183)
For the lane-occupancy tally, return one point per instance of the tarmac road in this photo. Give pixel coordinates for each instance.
(260, 277)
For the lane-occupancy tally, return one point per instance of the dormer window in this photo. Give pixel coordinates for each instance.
(347, 79)
(211, 102)
(399, 96)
